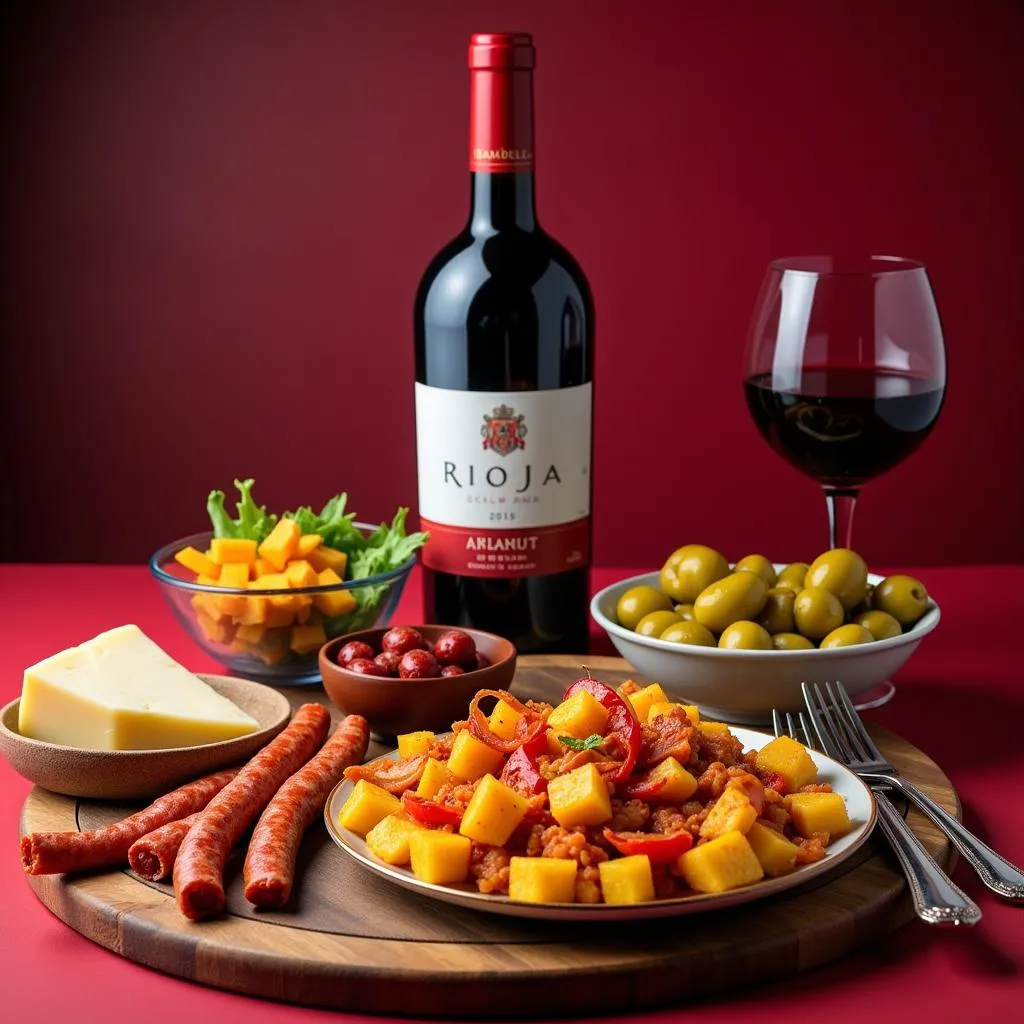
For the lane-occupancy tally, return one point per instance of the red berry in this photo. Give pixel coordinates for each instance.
(418, 665)
(388, 661)
(401, 639)
(365, 667)
(454, 647)
(354, 649)
(452, 670)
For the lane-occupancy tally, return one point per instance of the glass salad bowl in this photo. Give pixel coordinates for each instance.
(270, 628)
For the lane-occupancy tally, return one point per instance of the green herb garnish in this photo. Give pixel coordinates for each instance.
(592, 742)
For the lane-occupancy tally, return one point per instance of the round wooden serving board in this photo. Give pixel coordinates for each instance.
(355, 942)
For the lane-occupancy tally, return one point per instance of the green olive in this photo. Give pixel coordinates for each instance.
(791, 642)
(691, 569)
(847, 636)
(841, 572)
(655, 623)
(793, 576)
(817, 612)
(636, 602)
(903, 597)
(760, 565)
(881, 625)
(777, 614)
(685, 612)
(745, 635)
(688, 633)
(864, 604)
(738, 596)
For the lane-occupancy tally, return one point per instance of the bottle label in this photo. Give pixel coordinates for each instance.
(504, 480)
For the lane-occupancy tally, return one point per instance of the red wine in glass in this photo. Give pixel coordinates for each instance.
(845, 370)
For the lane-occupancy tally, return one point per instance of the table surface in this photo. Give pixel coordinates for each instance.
(960, 699)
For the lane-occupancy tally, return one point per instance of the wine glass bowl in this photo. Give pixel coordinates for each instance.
(845, 370)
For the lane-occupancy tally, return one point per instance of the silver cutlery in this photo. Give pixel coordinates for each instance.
(937, 900)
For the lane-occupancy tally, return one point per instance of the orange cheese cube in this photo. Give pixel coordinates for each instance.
(193, 559)
(236, 576)
(300, 573)
(307, 542)
(337, 602)
(261, 567)
(225, 550)
(328, 558)
(280, 544)
(307, 638)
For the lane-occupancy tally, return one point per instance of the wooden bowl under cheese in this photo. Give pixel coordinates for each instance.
(132, 774)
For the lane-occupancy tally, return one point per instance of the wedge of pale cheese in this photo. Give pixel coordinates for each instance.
(120, 691)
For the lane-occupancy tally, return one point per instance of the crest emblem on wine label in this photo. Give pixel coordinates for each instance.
(504, 432)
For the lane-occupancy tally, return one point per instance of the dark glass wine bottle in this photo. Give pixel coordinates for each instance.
(504, 328)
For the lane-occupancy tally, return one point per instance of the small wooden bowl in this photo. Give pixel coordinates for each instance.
(394, 706)
(131, 774)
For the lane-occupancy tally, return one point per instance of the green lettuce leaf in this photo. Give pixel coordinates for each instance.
(253, 522)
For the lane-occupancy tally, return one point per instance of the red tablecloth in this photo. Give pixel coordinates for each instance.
(960, 699)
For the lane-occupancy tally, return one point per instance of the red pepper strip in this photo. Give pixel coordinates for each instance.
(620, 724)
(644, 787)
(426, 812)
(529, 726)
(394, 776)
(659, 848)
(521, 772)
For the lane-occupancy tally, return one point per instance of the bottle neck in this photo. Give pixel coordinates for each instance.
(501, 136)
(501, 202)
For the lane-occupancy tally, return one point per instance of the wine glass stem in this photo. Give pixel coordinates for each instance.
(840, 504)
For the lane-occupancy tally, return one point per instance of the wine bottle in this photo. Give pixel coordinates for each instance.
(504, 329)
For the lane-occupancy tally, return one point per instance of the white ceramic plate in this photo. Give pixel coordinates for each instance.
(860, 805)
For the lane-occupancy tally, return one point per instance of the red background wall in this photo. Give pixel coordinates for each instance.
(215, 215)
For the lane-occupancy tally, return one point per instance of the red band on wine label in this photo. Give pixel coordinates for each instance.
(537, 551)
(501, 103)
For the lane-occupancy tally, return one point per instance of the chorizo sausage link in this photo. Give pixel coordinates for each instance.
(270, 860)
(152, 856)
(199, 867)
(47, 853)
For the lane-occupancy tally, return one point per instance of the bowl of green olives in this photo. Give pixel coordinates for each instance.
(738, 639)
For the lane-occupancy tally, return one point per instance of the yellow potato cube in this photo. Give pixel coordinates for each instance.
(503, 720)
(541, 880)
(679, 785)
(720, 864)
(194, 560)
(224, 550)
(337, 602)
(308, 542)
(492, 813)
(789, 760)
(439, 857)
(304, 639)
(627, 879)
(692, 713)
(470, 758)
(732, 812)
(366, 805)
(300, 573)
(280, 544)
(579, 797)
(818, 812)
(389, 839)
(582, 715)
(435, 775)
(412, 743)
(713, 728)
(555, 746)
(776, 854)
(660, 707)
(328, 558)
(643, 699)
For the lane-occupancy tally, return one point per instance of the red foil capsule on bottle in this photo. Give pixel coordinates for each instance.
(501, 102)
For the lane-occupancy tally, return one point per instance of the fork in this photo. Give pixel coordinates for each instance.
(864, 758)
(936, 899)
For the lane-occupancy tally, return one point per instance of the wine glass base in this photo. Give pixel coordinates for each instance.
(878, 695)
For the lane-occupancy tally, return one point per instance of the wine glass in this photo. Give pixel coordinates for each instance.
(845, 370)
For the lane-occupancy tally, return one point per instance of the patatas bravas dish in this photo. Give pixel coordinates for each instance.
(615, 796)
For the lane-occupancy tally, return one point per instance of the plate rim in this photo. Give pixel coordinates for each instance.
(674, 907)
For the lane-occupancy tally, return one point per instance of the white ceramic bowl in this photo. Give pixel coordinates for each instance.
(744, 686)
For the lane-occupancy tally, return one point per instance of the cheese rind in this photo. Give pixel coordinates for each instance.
(120, 691)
